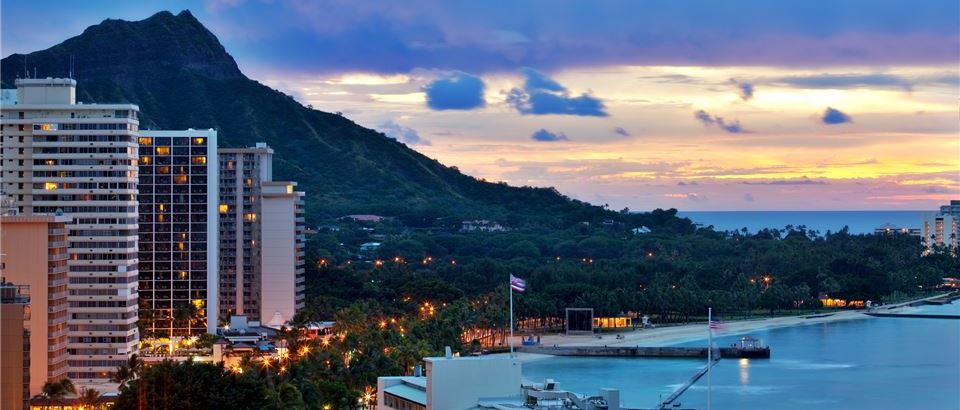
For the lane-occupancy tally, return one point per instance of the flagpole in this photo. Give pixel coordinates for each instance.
(709, 353)
(510, 285)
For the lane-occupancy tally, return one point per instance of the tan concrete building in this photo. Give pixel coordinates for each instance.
(59, 155)
(14, 347)
(34, 252)
(261, 238)
(282, 253)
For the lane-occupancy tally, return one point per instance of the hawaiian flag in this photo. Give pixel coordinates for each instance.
(517, 284)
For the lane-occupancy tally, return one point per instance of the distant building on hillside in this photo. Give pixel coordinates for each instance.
(363, 218)
(482, 225)
(890, 229)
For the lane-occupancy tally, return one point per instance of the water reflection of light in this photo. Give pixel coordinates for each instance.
(744, 371)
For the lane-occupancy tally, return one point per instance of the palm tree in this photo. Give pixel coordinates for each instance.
(129, 370)
(90, 399)
(56, 391)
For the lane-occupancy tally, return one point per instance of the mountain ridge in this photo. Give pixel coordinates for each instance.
(182, 77)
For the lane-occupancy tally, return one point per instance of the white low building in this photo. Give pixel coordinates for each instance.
(451, 383)
(482, 382)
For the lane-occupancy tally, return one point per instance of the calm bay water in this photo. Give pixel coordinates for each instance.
(870, 363)
(858, 221)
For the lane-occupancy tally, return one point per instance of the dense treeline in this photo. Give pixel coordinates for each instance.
(673, 272)
(436, 287)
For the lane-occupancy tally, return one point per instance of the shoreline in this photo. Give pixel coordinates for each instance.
(674, 335)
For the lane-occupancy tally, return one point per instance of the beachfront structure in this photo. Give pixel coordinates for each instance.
(261, 238)
(81, 159)
(891, 229)
(451, 383)
(481, 382)
(178, 232)
(33, 252)
(941, 230)
(15, 346)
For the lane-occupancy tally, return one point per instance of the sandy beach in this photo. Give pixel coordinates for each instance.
(670, 335)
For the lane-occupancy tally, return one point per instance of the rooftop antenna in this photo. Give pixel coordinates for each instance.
(71, 66)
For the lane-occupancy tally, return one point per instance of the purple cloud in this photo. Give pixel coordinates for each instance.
(403, 134)
(543, 135)
(708, 120)
(541, 95)
(621, 131)
(455, 91)
(744, 89)
(833, 116)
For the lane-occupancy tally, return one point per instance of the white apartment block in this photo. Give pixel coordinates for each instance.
(81, 159)
(178, 232)
(941, 230)
(261, 238)
(282, 253)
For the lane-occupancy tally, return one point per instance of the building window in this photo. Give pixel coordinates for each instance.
(224, 208)
(50, 186)
(200, 160)
(145, 141)
(163, 150)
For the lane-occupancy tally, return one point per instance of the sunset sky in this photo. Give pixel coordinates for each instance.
(697, 105)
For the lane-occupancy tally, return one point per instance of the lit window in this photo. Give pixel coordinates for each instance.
(250, 217)
(163, 170)
(180, 179)
(202, 160)
(49, 162)
(145, 160)
(181, 246)
(224, 208)
(289, 189)
(183, 274)
(198, 140)
(49, 185)
(145, 140)
(163, 150)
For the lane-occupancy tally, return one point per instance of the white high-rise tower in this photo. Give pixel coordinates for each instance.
(60, 156)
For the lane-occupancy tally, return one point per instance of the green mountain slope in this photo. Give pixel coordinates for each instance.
(182, 77)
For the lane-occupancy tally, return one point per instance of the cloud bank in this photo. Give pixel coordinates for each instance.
(541, 95)
(455, 91)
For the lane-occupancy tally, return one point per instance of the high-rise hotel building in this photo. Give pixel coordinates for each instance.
(60, 156)
(261, 238)
(178, 232)
(34, 251)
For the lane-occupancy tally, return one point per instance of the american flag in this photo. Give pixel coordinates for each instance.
(518, 284)
(716, 325)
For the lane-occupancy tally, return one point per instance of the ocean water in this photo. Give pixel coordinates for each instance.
(870, 363)
(857, 221)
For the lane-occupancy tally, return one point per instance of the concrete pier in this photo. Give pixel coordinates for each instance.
(639, 351)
